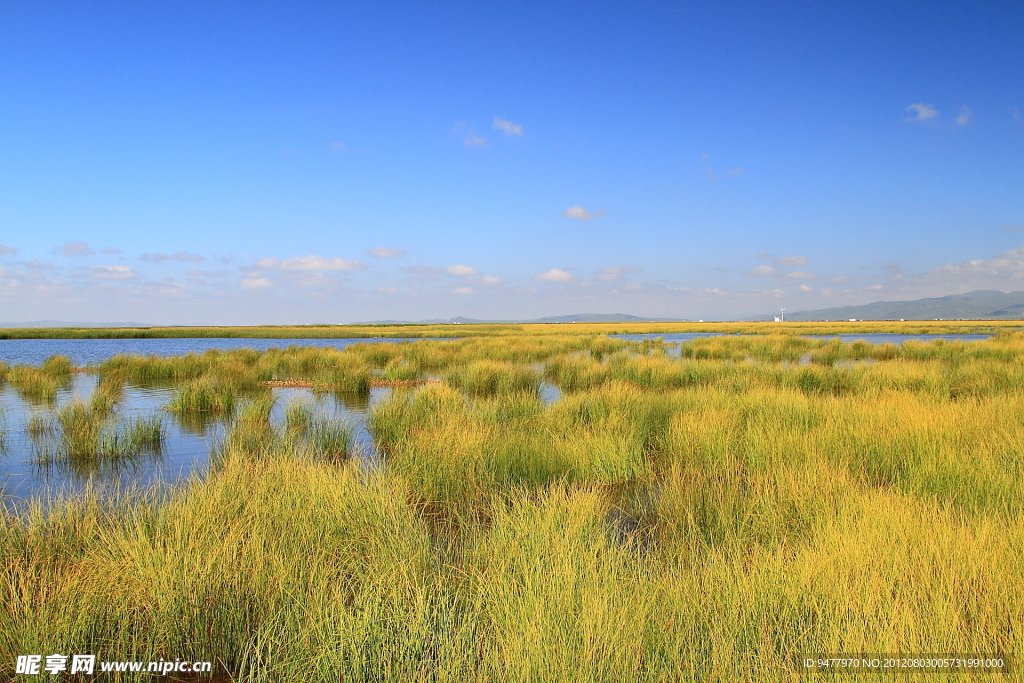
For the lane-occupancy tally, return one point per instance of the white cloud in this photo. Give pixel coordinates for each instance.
(1008, 264)
(4, 251)
(507, 127)
(490, 280)
(182, 256)
(764, 271)
(581, 214)
(841, 280)
(791, 261)
(111, 250)
(555, 275)
(308, 278)
(614, 273)
(462, 271)
(632, 286)
(804, 288)
(965, 116)
(462, 290)
(74, 249)
(922, 112)
(474, 140)
(113, 272)
(384, 252)
(338, 146)
(256, 281)
(1008, 228)
(763, 254)
(310, 263)
(387, 290)
(739, 170)
(801, 275)
(873, 287)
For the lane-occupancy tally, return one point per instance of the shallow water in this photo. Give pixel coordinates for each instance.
(668, 338)
(870, 338)
(90, 351)
(899, 338)
(186, 448)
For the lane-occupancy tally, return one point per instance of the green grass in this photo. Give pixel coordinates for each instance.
(702, 518)
(203, 396)
(87, 437)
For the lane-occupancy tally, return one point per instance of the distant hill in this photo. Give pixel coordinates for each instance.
(979, 305)
(575, 318)
(61, 323)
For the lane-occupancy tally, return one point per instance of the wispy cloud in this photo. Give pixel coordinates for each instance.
(255, 280)
(763, 254)
(805, 288)
(964, 118)
(113, 273)
(739, 170)
(474, 140)
(801, 275)
(555, 275)
(384, 252)
(310, 263)
(182, 256)
(74, 249)
(387, 290)
(507, 127)
(490, 280)
(763, 271)
(111, 250)
(1014, 228)
(462, 271)
(581, 214)
(615, 273)
(1009, 264)
(462, 290)
(922, 112)
(4, 251)
(791, 261)
(337, 146)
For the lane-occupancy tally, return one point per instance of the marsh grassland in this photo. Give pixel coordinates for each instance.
(700, 517)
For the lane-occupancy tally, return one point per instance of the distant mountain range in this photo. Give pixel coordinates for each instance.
(980, 305)
(575, 318)
(61, 323)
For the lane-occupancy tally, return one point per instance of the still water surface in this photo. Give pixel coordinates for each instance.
(870, 338)
(89, 351)
(186, 448)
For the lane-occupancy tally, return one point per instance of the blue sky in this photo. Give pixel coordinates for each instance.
(234, 163)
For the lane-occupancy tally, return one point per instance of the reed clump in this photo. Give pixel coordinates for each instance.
(203, 396)
(86, 433)
(40, 385)
(487, 378)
